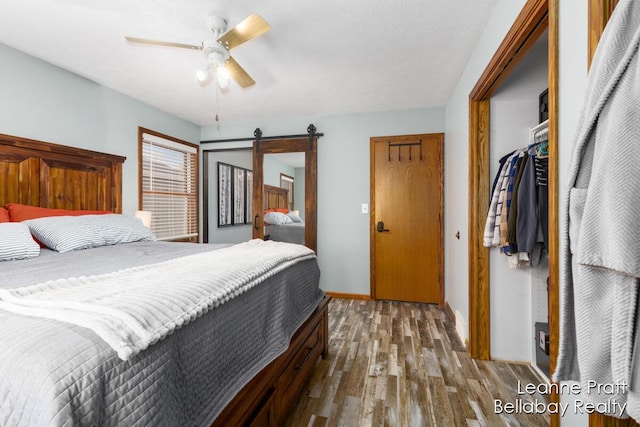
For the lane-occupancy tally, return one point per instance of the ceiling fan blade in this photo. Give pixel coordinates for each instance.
(239, 74)
(161, 43)
(252, 26)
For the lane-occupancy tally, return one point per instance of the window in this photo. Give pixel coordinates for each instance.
(169, 185)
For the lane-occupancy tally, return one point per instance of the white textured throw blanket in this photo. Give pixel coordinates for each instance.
(133, 308)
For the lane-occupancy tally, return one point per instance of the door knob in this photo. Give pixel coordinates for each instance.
(380, 227)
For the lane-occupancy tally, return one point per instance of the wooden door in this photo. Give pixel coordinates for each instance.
(407, 200)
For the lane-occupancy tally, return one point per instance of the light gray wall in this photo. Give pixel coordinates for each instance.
(229, 234)
(41, 101)
(272, 168)
(343, 181)
(514, 110)
(457, 165)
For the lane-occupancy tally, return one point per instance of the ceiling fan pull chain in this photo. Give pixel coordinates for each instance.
(217, 107)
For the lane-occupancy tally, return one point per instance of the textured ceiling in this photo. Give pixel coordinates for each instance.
(320, 58)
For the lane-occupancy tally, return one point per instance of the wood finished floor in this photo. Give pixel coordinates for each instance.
(401, 364)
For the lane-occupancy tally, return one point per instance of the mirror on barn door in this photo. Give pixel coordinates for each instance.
(271, 158)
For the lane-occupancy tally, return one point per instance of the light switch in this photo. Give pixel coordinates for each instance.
(365, 208)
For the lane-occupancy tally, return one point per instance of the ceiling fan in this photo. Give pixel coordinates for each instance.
(221, 64)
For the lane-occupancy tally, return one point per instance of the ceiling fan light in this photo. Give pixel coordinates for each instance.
(203, 75)
(223, 73)
(222, 77)
(223, 83)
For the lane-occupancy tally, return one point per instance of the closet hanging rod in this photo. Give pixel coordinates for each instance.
(540, 126)
(541, 136)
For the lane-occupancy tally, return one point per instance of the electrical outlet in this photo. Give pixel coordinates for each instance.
(365, 208)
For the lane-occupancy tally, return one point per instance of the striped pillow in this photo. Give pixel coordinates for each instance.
(69, 233)
(16, 242)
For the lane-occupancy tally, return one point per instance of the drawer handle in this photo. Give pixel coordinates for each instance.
(306, 358)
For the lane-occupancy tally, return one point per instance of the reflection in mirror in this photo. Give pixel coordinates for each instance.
(284, 192)
(308, 146)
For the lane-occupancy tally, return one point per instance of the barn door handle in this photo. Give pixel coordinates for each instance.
(381, 227)
(255, 222)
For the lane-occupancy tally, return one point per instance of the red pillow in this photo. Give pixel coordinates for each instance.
(282, 210)
(18, 212)
(4, 215)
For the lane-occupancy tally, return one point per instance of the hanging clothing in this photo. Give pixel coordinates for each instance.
(512, 237)
(542, 173)
(504, 221)
(489, 229)
(601, 245)
(527, 223)
(504, 226)
(501, 163)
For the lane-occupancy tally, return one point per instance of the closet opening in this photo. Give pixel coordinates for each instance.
(516, 223)
(485, 318)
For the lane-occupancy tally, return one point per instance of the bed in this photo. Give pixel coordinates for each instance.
(278, 228)
(59, 373)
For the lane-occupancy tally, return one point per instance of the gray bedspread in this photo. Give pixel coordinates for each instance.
(57, 374)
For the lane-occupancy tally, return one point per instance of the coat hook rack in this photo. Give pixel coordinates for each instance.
(404, 144)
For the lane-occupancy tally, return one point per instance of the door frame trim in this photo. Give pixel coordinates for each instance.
(372, 223)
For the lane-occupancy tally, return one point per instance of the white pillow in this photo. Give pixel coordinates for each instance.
(277, 218)
(16, 242)
(294, 217)
(69, 233)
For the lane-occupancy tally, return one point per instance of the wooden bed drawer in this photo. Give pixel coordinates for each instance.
(267, 398)
(298, 371)
(265, 416)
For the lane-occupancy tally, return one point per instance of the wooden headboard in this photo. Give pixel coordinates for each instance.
(56, 176)
(275, 197)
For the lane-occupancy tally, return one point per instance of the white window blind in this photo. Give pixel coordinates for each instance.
(170, 187)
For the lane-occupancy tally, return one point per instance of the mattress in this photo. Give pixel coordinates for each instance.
(58, 374)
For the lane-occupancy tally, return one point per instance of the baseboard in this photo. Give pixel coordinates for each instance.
(511, 362)
(450, 312)
(459, 326)
(348, 296)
